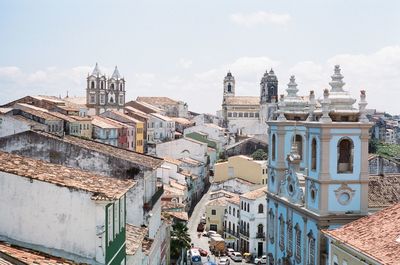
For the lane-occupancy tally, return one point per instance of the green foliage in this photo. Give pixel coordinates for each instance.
(180, 239)
(259, 154)
(388, 150)
(373, 146)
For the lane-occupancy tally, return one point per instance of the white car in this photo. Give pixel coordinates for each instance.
(236, 256)
(211, 233)
(223, 261)
(262, 260)
(230, 251)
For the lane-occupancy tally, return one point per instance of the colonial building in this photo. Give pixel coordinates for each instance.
(318, 171)
(104, 93)
(246, 115)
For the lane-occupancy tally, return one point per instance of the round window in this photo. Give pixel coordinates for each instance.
(344, 198)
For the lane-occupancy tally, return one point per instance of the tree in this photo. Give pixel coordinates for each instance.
(259, 154)
(373, 146)
(180, 239)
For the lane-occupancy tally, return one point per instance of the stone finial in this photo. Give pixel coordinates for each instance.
(292, 87)
(312, 106)
(337, 80)
(361, 106)
(325, 107)
(281, 107)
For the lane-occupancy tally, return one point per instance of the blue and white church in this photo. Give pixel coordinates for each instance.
(318, 171)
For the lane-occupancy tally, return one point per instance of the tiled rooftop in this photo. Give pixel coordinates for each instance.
(172, 160)
(134, 238)
(191, 161)
(179, 215)
(255, 194)
(182, 121)
(134, 157)
(157, 101)
(384, 190)
(30, 257)
(105, 123)
(160, 116)
(376, 235)
(41, 114)
(102, 188)
(136, 111)
(235, 199)
(243, 100)
(222, 201)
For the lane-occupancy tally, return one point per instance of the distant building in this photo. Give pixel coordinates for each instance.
(241, 167)
(104, 93)
(171, 107)
(246, 115)
(370, 240)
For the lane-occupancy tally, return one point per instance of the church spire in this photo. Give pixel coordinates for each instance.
(96, 70)
(337, 80)
(116, 74)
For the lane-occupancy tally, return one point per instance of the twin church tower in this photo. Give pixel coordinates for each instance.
(247, 114)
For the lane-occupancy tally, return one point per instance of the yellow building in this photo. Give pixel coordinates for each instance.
(374, 239)
(215, 211)
(243, 167)
(139, 136)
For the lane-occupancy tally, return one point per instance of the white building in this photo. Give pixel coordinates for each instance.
(160, 128)
(13, 124)
(182, 148)
(214, 132)
(253, 225)
(42, 203)
(232, 223)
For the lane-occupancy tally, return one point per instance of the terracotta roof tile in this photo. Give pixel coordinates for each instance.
(102, 188)
(384, 190)
(255, 194)
(218, 202)
(376, 235)
(146, 245)
(105, 123)
(242, 100)
(157, 101)
(31, 257)
(134, 237)
(179, 215)
(172, 160)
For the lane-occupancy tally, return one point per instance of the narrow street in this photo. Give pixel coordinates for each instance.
(202, 241)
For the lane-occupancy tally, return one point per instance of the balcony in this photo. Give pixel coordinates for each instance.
(244, 233)
(260, 235)
(148, 206)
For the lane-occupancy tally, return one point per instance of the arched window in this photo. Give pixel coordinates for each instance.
(92, 84)
(281, 233)
(314, 154)
(299, 142)
(102, 85)
(260, 231)
(120, 87)
(229, 88)
(112, 86)
(345, 155)
(234, 212)
(241, 205)
(311, 249)
(289, 246)
(229, 226)
(298, 244)
(260, 208)
(248, 207)
(273, 147)
(271, 223)
(229, 209)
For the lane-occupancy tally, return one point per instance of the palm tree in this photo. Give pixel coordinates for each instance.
(180, 239)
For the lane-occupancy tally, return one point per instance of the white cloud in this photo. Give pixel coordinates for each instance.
(259, 18)
(185, 63)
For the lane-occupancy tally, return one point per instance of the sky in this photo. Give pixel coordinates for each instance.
(182, 49)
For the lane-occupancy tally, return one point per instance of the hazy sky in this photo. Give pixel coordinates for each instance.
(183, 49)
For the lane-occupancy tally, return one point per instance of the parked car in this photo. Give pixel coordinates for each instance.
(236, 256)
(203, 252)
(229, 251)
(223, 261)
(262, 260)
(200, 227)
(211, 233)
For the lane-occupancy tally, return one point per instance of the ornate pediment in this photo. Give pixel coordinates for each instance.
(290, 187)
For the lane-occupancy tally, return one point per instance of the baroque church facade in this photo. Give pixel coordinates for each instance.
(318, 171)
(247, 115)
(104, 93)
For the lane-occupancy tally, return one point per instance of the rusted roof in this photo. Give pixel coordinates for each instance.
(132, 156)
(101, 187)
(243, 100)
(157, 101)
(134, 238)
(377, 235)
(384, 190)
(30, 257)
(179, 215)
(255, 194)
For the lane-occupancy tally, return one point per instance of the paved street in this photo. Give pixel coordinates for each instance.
(202, 242)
